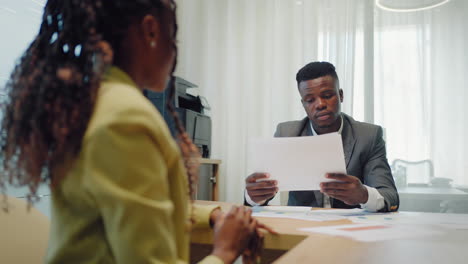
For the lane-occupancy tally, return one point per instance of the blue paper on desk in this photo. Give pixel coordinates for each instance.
(298, 163)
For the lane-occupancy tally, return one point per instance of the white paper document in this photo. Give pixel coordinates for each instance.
(298, 163)
(447, 221)
(373, 232)
(343, 212)
(293, 212)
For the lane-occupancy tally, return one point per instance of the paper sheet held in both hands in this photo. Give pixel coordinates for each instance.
(298, 163)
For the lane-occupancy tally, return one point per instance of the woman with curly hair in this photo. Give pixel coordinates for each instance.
(76, 119)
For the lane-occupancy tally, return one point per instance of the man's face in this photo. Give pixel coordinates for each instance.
(322, 99)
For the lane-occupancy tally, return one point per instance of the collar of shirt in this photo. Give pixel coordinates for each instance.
(315, 133)
(115, 74)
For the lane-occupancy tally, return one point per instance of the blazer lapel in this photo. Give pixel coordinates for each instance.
(305, 128)
(348, 139)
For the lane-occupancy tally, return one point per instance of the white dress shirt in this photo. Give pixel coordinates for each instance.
(374, 202)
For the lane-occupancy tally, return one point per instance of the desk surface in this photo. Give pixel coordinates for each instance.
(431, 193)
(431, 190)
(450, 247)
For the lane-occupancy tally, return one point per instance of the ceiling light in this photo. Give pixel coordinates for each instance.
(379, 4)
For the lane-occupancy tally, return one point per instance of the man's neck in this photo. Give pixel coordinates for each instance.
(336, 127)
(327, 130)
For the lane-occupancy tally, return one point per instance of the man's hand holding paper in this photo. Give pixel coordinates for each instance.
(260, 187)
(348, 189)
(296, 163)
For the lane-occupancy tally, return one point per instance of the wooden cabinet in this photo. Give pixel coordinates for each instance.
(207, 187)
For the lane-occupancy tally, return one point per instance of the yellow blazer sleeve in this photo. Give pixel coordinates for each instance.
(201, 214)
(126, 174)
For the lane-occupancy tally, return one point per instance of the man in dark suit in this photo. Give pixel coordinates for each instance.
(368, 183)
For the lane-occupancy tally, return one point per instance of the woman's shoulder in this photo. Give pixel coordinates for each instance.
(120, 104)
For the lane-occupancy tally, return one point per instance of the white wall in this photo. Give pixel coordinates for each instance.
(19, 23)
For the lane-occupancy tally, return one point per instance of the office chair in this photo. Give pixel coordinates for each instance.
(24, 234)
(415, 173)
(284, 197)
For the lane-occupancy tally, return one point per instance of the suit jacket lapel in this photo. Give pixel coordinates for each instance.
(348, 139)
(305, 128)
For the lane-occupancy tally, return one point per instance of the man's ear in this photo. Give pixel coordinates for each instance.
(341, 95)
(151, 30)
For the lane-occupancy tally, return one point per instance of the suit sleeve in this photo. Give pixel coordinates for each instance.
(127, 177)
(377, 173)
(278, 131)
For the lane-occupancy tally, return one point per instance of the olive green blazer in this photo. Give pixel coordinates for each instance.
(125, 198)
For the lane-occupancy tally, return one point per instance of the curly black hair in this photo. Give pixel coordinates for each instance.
(52, 90)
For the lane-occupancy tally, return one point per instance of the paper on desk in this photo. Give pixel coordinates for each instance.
(283, 209)
(447, 221)
(373, 232)
(293, 212)
(298, 163)
(343, 212)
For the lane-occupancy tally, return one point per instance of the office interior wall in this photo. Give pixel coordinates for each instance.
(19, 23)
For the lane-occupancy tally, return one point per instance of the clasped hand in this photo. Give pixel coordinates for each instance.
(234, 231)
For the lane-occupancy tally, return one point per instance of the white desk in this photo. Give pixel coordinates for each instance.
(294, 246)
(428, 199)
(429, 193)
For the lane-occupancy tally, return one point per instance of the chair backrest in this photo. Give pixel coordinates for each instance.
(284, 197)
(416, 172)
(23, 234)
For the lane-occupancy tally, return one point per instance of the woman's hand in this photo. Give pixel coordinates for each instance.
(233, 232)
(215, 216)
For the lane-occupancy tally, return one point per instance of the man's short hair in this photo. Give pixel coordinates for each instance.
(316, 70)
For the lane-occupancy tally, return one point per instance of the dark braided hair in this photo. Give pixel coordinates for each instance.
(52, 90)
